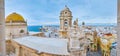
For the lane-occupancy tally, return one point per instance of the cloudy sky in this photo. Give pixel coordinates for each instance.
(46, 12)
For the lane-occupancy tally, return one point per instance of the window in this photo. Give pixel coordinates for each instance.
(21, 31)
(65, 12)
(66, 23)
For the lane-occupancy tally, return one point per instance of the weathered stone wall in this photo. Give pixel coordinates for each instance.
(118, 29)
(2, 29)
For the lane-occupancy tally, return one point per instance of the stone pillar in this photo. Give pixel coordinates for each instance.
(2, 29)
(118, 29)
(17, 51)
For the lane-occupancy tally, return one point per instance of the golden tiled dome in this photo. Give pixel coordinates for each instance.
(14, 17)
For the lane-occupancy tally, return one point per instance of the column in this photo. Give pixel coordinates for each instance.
(2, 29)
(118, 29)
(17, 51)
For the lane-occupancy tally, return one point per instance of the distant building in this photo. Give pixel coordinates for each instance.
(105, 42)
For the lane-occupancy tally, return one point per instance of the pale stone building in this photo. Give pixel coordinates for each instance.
(105, 42)
(65, 21)
(35, 46)
(92, 40)
(16, 26)
(72, 32)
(77, 40)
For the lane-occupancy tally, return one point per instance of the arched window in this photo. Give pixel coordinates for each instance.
(21, 31)
(65, 12)
(65, 23)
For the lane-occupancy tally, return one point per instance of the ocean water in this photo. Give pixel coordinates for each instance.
(34, 28)
(37, 28)
(101, 24)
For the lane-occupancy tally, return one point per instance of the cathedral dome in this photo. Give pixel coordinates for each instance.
(14, 17)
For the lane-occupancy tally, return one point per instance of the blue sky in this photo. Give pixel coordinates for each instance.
(47, 12)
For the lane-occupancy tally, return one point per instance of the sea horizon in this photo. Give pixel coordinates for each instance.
(36, 28)
(87, 24)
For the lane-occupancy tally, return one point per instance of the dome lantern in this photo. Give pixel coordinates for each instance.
(66, 11)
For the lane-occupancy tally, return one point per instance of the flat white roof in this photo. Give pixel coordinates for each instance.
(46, 45)
(32, 32)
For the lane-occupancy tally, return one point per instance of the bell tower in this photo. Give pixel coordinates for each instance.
(65, 21)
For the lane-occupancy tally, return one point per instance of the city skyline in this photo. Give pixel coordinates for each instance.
(44, 12)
